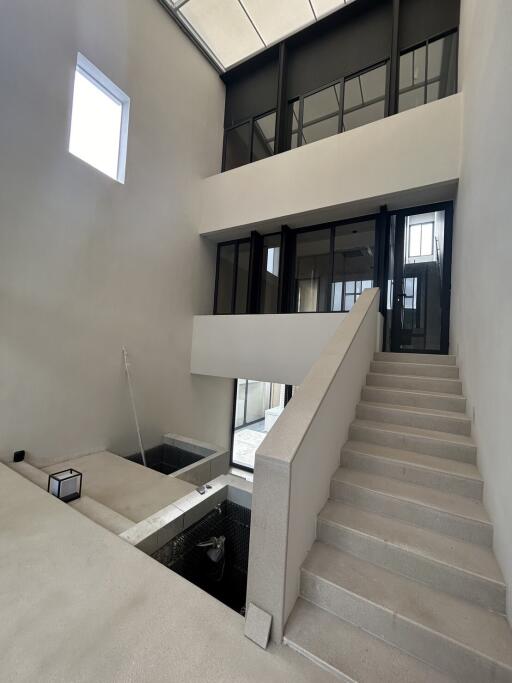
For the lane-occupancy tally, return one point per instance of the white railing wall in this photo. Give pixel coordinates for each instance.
(297, 459)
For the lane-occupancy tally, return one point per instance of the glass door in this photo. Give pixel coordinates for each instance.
(419, 280)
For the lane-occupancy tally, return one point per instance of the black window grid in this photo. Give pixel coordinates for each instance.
(299, 128)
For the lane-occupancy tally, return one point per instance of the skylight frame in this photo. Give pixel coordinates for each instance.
(174, 8)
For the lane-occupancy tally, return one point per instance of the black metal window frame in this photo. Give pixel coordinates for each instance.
(251, 121)
(291, 130)
(426, 82)
(237, 243)
(287, 265)
(332, 225)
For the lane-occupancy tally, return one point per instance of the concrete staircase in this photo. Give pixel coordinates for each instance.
(402, 583)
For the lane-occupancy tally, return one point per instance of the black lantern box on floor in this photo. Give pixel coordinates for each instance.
(65, 485)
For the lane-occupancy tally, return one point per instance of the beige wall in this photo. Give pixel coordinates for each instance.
(481, 293)
(404, 160)
(270, 348)
(86, 264)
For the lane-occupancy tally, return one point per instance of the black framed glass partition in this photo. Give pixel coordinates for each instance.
(270, 270)
(232, 277)
(428, 72)
(348, 103)
(353, 263)
(257, 407)
(251, 140)
(313, 264)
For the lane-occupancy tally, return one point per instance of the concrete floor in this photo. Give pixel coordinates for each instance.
(133, 491)
(79, 604)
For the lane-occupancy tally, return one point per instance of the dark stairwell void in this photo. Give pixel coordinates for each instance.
(219, 568)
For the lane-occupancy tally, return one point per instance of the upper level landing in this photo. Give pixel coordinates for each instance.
(408, 159)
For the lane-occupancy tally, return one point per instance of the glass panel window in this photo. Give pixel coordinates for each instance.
(322, 104)
(320, 118)
(353, 263)
(226, 278)
(312, 271)
(320, 130)
(242, 277)
(264, 135)
(258, 406)
(237, 151)
(428, 73)
(442, 64)
(419, 238)
(294, 125)
(99, 121)
(270, 274)
(232, 277)
(365, 98)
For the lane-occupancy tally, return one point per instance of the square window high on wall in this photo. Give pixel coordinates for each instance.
(99, 121)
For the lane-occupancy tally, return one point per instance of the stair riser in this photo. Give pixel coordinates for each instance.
(442, 577)
(442, 386)
(421, 358)
(440, 521)
(381, 395)
(428, 645)
(414, 442)
(444, 371)
(438, 423)
(414, 475)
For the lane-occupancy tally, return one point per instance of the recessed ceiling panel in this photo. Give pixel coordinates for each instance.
(231, 31)
(275, 19)
(224, 27)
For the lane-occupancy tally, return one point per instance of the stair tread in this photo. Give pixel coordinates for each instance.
(417, 409)
(412, 357)
(415, 377)
(431, 462)
(416, 431)
(423, 495)
(352, 651)
(462, 555)
(408, 364)
(423, 392)
(470, 625)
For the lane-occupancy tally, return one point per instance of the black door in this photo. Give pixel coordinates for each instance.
(419, 279)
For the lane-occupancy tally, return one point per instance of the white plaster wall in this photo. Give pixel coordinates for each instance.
(87, 264)
(353, 171)
(481, 294)
(269, 348)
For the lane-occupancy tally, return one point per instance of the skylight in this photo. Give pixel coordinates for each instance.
(230, 31)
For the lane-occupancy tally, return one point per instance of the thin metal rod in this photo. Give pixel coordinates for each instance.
(134, 409)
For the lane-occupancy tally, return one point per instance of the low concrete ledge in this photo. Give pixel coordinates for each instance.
(214, 459)
(152, 533)
(297, 459)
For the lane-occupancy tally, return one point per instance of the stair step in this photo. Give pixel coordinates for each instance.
(351, 653)
(462, 569)
(416, 369)
(442, 474)
(445, 513)
(427, 441)
(412, 416)
(433, 384)
(434, 358)
(419, 399)
(467, 641)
